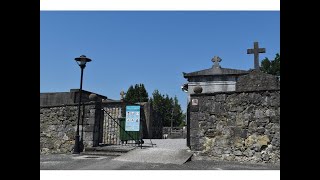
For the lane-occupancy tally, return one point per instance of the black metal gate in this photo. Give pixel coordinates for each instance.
(114, 129)
(110, 125)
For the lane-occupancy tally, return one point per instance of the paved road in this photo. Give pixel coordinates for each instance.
(75, 162)
(78, 162)
(168, 143)
(165, 151)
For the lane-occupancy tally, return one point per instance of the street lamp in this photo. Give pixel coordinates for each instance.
(82, 60)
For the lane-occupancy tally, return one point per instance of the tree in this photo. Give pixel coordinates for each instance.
(142, 94)
(178, 114)
(157, 101)
(167, 109)
(135, 94)
(271, 67)
(130, 95)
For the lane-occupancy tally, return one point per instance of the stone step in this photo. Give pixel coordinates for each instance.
(101, 153)
(176, 136)
(120, 149)
(113, 150)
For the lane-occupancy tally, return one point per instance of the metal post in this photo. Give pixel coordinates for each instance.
(81, 141)
(77, 148)
(172, 116)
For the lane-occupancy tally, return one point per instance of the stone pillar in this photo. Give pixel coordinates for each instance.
(97, 119)
(92, 129)
(194, 123)
(188, 125)
(147, 109)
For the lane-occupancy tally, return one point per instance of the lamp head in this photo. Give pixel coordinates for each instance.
(82, 60)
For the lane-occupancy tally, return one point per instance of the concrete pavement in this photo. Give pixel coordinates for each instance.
(75, 162)
(163, 156)
(165, 151)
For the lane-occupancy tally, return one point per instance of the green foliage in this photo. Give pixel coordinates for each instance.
(168, 109)
(135, 94)
(271, 67)
(183, 123)
(178, 115)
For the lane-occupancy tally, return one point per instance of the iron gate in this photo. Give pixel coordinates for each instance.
(113, 129)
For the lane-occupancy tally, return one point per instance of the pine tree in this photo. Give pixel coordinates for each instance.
(130, 95)
(167, 109)
(271, 67)
(178, 114)
(142, 93)
(135, 94)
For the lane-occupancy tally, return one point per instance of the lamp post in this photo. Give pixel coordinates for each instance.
(82, 60)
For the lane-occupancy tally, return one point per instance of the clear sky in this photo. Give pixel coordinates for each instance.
(149, 47)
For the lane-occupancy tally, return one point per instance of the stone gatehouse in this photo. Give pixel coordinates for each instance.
(233, 115)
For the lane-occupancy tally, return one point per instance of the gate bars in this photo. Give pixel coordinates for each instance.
(139, 142)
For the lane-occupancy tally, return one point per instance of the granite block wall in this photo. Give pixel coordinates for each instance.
(236, 126)
(58, 126)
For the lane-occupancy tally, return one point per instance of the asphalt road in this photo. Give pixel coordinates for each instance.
(78, 162)
(82, 162)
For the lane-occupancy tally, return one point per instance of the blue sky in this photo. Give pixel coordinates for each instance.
(149, 47)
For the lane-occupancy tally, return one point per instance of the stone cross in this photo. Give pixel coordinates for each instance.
(122, 93)
(216, 60)
(256, 50)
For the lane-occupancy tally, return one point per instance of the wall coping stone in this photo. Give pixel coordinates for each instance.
(233, 92)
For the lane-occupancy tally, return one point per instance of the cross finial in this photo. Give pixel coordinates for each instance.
(122, 93)
(216, 60)
(256, 50)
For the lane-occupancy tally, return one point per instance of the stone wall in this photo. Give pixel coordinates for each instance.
(84, 96)
(59, 98)
(157, 126)
(147, 113)
(152, 127)
(58, 127)
(213, 84)
(256, 81)
(236, 126)
(176, 133)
